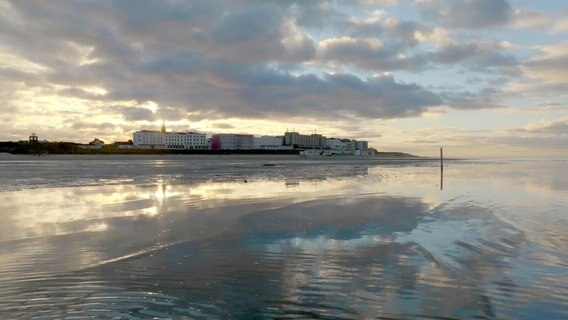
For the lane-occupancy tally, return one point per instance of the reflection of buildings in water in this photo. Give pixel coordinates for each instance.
(293, 177)
(291, 183)
(360, 171)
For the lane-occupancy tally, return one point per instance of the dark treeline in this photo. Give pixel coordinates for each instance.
(38, 148)
(73, 148)
(45, 148)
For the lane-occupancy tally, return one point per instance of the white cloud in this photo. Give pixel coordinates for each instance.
(551, 65)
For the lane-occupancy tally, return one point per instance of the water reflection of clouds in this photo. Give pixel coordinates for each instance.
(337, 246)
(40, 212)
(329, 253)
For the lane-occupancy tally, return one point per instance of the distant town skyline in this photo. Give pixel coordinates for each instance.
(478, 77)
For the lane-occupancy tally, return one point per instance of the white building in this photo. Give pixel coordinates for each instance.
(361, 145)
(186, 140)
(270, 143)
(95, 144)
(339, 144)
(347, 146)
(149, 139)
(170, 140)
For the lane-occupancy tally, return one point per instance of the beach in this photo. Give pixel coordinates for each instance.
(210, 237)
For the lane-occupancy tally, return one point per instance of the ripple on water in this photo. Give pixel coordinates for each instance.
(347, 256)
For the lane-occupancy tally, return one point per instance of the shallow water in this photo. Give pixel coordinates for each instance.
(287, 239)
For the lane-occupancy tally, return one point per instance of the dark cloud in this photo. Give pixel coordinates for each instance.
(372, 53)
(230, 60)
(467, 100)
(212, 59)
(223, 125)
(468, 13)
(480, 53)
(367, 54)
(333, 95)
(137, 114)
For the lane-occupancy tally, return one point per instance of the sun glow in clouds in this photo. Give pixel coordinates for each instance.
(447, 66)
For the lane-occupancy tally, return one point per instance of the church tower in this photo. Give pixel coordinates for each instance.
(163, 126)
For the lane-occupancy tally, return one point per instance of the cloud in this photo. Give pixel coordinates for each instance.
(137, 114)
(372, 53)
(467, 14)
(332, 95)
(544, 75)
(366, 53)
(230, 61)
(533, 144)
(90, 126)
(139, 61)
(377, 2)
(527, 18)
(552, 106)
(553, 22)
(555, 127)
(481, 53)
(551, 65)
(221, 125)
(467, 100)
(385, 43)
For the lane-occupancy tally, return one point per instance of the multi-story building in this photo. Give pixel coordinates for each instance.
(149, 139)
(361, 145)
(298, 140)
(347, 146)
(226, 141)
(169, 140)
(186, 140)
(270, 143)
(339, 144)
(229, 141)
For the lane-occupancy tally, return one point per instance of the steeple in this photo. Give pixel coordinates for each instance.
(163, 126)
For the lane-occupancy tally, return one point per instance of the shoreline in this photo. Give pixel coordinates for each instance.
(20, 157)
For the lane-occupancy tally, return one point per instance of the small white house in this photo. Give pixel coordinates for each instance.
(95, 144)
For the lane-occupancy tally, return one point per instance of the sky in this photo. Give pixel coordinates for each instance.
(477, 77)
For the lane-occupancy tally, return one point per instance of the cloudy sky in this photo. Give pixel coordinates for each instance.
(479, 77)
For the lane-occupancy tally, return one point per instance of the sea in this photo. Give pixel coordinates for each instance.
(229, 237)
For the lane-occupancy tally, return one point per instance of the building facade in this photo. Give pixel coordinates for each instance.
(339, 144)
(149, 139)
(347, 146)
(186, 140)
(298, 140)
(229, 141)
(270, 143)
(361, 145)
(170, 140)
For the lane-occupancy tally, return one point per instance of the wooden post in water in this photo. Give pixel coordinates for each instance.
(442, 158)
(441, 168)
